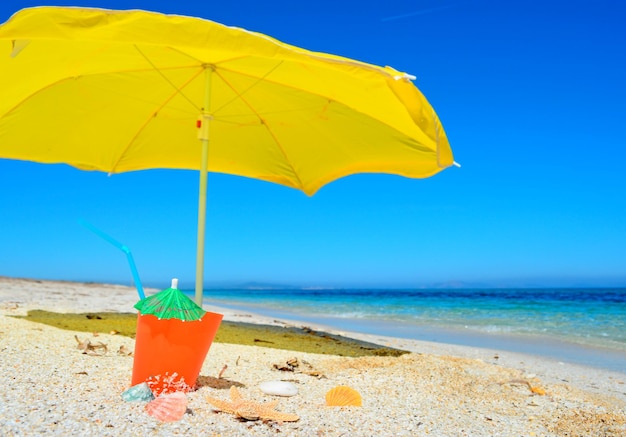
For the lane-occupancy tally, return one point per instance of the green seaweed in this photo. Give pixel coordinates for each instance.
(123, 323)
(270, 336)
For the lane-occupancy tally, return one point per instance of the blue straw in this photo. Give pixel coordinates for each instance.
(121, 247)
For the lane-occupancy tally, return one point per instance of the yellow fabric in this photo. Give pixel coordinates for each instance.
(118, 91)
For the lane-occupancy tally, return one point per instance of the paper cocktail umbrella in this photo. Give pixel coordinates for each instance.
(171, 303)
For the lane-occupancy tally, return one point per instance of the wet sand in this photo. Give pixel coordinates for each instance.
(536, 345)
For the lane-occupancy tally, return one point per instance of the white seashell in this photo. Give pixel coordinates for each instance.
(278, 388)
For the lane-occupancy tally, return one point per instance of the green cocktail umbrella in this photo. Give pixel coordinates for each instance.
(171, 303)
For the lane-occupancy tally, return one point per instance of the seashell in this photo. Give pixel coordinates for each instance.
(139, 392)
(279, 388)
(168, 407)
(343, 396)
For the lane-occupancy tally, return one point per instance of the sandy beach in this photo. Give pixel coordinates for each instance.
(51, 388)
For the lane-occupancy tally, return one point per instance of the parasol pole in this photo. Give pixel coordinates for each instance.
(203, 136)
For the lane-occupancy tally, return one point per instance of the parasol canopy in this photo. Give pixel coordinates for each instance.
(119, 91)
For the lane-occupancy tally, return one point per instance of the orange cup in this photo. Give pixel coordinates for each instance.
(167, 347)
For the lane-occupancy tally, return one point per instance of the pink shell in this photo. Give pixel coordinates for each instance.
(168, 407)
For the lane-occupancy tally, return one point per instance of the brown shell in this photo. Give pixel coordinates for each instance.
(343, 396)
(168, 407)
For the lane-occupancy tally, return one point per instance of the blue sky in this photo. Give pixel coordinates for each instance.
(531, 94)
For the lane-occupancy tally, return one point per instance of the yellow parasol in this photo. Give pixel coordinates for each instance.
(118, 91)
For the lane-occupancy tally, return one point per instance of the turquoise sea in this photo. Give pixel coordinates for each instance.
(585, 325)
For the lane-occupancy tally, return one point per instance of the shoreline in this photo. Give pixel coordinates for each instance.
(68, 296)
(549, 368)
(437, 389)
(541, 346)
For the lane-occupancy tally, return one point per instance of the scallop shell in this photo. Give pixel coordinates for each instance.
(168, 407)
(343, 396)
(139, 392)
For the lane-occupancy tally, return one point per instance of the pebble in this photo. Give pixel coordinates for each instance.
(278, 388)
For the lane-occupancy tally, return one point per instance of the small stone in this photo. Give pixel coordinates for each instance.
(279, 388)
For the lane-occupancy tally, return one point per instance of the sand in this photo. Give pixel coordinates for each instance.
(49, 387)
